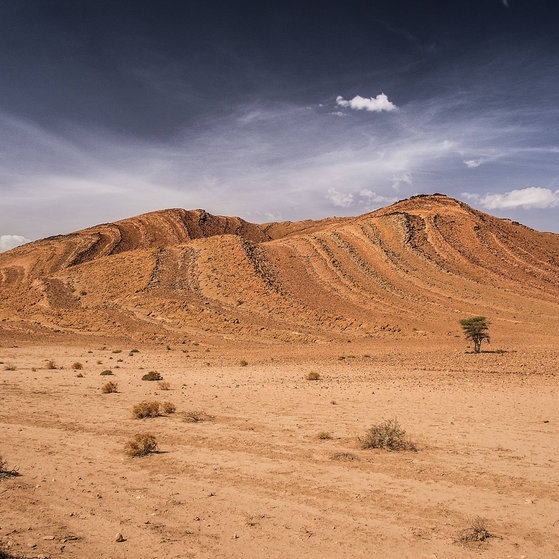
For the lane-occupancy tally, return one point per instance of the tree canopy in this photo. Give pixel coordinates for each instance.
(475, 329)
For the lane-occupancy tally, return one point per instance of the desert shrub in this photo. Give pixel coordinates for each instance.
(134, 350)
(7, 555)
(51, 364)
(168, 408)
(313, 375)
(476, 532)
(5, 471)
(243, 363)
(164, 385)
(117, 350)
(152, 375)
(153, 409)
(9, 367)
(344, 456)
(146, 409)
(77, 366)
(79, 375)
(106, 373)
(141, 445)
(109, 388)
(388, 435)
(195, 416)
(324, 436)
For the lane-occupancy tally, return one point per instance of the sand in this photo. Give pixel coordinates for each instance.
(253, 479)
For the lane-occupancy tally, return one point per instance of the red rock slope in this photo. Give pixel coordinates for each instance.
(408, 270)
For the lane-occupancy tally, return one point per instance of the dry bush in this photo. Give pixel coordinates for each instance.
(134, 350)
(141, 445)
(153, 409)
(195, 416)
(5, 471)
(152, 375)
(79, 375)
(146, 409)
(168, 408)
(106, 373)
(344, 457)
(109, 388)
(324, 436)
(388, 435)
(164, 385)
(51, 364)
(476, 532)
(117, 350)
(9, 367)
(243, 363)
(77, 366)
(7, 555)
(313, 375)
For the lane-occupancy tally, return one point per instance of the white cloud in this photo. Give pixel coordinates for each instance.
(526, 198)
(403, 178)
(339, 199)
(373, 104)
(7, 242)
(472, 163)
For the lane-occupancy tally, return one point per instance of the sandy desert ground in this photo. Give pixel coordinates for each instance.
(253, 479)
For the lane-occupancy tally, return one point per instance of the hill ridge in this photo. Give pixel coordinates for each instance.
(409, 268)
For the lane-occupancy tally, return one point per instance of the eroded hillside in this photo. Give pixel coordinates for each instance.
(408, 270)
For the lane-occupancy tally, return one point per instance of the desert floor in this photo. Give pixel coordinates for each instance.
(253, 479)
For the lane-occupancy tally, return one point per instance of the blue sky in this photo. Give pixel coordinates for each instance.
(274, 110)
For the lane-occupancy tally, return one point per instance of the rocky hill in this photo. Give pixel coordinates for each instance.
(409, 270)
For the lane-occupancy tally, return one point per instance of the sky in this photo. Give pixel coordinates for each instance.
(274, 110)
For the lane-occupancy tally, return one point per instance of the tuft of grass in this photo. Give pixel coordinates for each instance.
(476, 532)
(164, 385)
(51, 364)
(388, 435)
(9, 367)
(313, 375)
(195, 416)
(146, 409)
(109, 388)
(77, 366)
(152, 409)
(142, 444)
(168, 408)
(5, 471)
(106, 373)
(344, 457)
(152, 375)
(324, 436)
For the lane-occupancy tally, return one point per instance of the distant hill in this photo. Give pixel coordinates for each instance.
(408, 270)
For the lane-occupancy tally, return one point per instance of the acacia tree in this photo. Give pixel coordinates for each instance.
(475, 329)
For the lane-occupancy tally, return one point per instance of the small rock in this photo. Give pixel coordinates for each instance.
(120, 538)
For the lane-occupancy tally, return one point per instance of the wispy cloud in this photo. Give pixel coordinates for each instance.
(372, 104)
(525, 198)
(7, 242)
(286, 159)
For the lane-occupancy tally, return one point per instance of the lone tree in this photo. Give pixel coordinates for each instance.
(475, 329)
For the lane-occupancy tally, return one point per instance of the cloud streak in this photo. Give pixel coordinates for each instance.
(525, 198)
